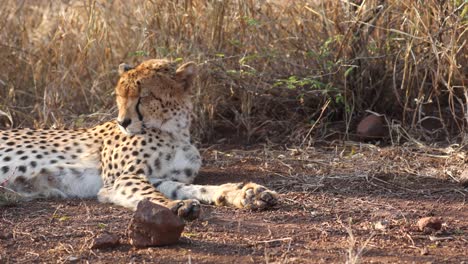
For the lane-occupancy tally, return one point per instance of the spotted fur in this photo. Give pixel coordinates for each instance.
(145, 154)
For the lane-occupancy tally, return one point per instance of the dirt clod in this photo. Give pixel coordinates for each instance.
(429, 224)
(371, 127)
(154, 225)
(106, 240)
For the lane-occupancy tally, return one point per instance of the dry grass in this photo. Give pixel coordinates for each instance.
(355, 249)
(269, 68)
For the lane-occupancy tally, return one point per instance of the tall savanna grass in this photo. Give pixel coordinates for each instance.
(282, 71)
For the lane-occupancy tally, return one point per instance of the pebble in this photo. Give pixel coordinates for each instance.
(429, 224)
(106, 240)
(371, 127)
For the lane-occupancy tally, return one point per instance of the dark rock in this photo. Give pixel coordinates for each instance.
(429, 224)
(154, 225)
(105, 241)
(371, 127)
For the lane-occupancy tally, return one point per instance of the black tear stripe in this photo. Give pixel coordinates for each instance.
(140, 116)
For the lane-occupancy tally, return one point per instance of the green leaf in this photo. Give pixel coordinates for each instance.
(139, 53)
(251, 21)
(349, 70)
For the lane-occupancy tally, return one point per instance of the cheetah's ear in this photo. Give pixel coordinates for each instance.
(124, 67)
(186, 73)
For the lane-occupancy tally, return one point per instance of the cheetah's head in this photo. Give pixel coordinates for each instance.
(155, 94)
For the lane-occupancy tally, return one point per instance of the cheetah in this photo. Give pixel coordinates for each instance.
(146, 153)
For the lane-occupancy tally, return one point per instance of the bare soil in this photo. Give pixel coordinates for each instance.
(342, 203)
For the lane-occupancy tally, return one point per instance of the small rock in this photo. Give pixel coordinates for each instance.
(371, 127)
(154, 225)
(429, 224)
(105, 241)
(73, 259)
(5, 235)
(381, 225)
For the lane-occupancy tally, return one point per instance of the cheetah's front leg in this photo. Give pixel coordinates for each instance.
(128, 190)
(250, 195)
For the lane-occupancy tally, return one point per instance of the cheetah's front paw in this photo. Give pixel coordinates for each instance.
(186, 209)
(250, 196)
(255, 196)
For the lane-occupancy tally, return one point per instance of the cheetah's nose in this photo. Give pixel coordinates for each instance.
(124, 123)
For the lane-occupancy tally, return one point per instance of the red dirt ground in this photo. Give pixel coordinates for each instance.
(332, 199)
